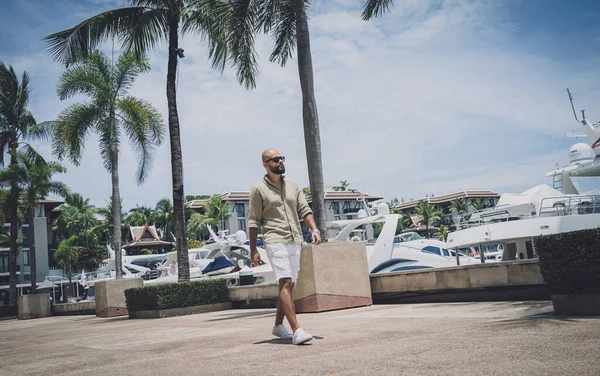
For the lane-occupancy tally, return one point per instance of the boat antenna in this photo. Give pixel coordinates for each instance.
(573, 107)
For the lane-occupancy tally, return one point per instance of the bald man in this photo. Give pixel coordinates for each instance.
(277, 204)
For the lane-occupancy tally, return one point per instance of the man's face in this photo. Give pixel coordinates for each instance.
(275, 164)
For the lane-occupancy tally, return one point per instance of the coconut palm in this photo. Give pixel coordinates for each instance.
(17, 125)
(287, 23)
(108, 112)
(139, 28)
(66, 255)
(375, 8)
(215, 212)
(36, 185)
(428, 214)
(163, 215)
(478, 206)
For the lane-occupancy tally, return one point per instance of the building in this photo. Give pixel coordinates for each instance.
(43, 242)
(488, 198)
(146, 237)
(339, 205)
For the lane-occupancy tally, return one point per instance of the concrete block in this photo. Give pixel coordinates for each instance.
(33, 306)
(421, 281)
(110, 296)
(388, 283)
(79, 308)
(332, 276)
(172, 312)
(453, 279)
(488, 275)
(524, 274)
(253, 292)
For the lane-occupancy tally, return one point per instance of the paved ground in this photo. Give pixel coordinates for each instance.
(503, 338)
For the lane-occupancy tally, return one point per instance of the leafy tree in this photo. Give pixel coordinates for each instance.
(428, 214)
(139, 28)
(342, 187)
(442, 233)
(66, 255)
(108, 112)
(17, 125)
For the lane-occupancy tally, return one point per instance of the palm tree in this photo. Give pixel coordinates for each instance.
(77, 217)
(375, 8)
(163, 213)
(287, 22)
(109, 111)
(17, 124)
(343, 186)
(442, 233)
(428, 214)
(37, 185)
(215, 212)
(460, 206)
(66, 255)
(139, 28)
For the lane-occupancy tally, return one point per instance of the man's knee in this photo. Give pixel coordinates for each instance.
(285, 283)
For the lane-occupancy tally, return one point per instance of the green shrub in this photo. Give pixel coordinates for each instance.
(8, 310)
(193, 243)
(570, 262)
(145, 251)
(176, 295)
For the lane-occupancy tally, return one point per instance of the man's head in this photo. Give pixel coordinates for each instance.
(273, 161)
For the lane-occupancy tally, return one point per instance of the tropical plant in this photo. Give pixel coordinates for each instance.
(375, 8)
(306, 191)
(139, 28)
(66, 255)
(140, 215)
(215, 212)
(428, 214)
(77, 218)
(36, 184)
(195, 224)
(163, 217)
(107, 215)
(478, 205)
(109, 111)
(287, 23)
(342, 187)
(442, 233)
(17, 125)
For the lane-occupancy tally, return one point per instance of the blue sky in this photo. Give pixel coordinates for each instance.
(436, 96)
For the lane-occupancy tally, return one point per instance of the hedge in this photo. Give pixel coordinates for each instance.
(176, 295)
(8, 310)
(570, 261)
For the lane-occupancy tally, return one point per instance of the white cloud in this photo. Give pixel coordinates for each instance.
(432, 98)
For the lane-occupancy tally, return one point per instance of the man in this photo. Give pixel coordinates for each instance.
(277, 203)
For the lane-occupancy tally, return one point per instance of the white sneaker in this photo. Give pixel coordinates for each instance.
(281, 332)
(300, 337)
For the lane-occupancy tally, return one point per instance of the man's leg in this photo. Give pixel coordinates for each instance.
(286, 302)
(280, 314)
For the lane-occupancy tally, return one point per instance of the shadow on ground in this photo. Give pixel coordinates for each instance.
(275, 341)
(240, 315)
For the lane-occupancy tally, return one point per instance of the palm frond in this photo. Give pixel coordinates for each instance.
(144, 126)
(284, 32)
(241, 23)
(41, 131)
(127, 68)
(375, 8)
(72, 127)
(83, 77)
(147, 29)
(208, 18)
(70, 45)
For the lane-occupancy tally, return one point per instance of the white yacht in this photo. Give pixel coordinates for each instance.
(541, 210)
(390, 253)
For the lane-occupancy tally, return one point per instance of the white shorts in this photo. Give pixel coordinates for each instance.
(284, 259)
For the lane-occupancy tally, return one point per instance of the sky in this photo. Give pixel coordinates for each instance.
(436, 96)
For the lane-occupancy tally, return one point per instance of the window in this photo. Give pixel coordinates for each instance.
(335, 206)
(432, 249)
(240, 210)
(25, 235)
(446, 253)
(4, 262)
(26, 257)
(241, 224)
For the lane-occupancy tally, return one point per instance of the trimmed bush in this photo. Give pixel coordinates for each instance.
(570, 262)
(9, 310)
(176, 295)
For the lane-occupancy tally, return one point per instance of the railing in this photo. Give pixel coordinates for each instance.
(570, 205)
(548, 207)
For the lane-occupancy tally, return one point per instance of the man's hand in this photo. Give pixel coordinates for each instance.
(316, 238)
(255, 257)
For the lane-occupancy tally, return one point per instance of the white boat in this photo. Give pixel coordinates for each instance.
(541, 210)
(389, 252)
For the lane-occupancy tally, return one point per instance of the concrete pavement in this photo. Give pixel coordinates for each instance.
(491, 338)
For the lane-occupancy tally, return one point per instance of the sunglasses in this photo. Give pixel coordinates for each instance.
(276, 159)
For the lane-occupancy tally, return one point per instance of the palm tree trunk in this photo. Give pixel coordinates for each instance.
(14, 233)
(32, 258)
(176, 155)
(310, 117)
(116, 204)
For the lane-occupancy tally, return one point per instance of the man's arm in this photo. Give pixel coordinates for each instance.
(254, 218)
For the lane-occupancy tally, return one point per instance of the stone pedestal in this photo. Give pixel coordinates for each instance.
(33, 306)
(110, 296)
(332, 276)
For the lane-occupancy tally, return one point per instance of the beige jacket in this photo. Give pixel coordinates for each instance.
(278, 211)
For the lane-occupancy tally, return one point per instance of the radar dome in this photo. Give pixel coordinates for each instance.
(240, 236)
(362, 213)
(581, 153)
(383, 208)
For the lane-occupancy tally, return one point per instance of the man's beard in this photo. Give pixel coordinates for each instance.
(278, 169)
